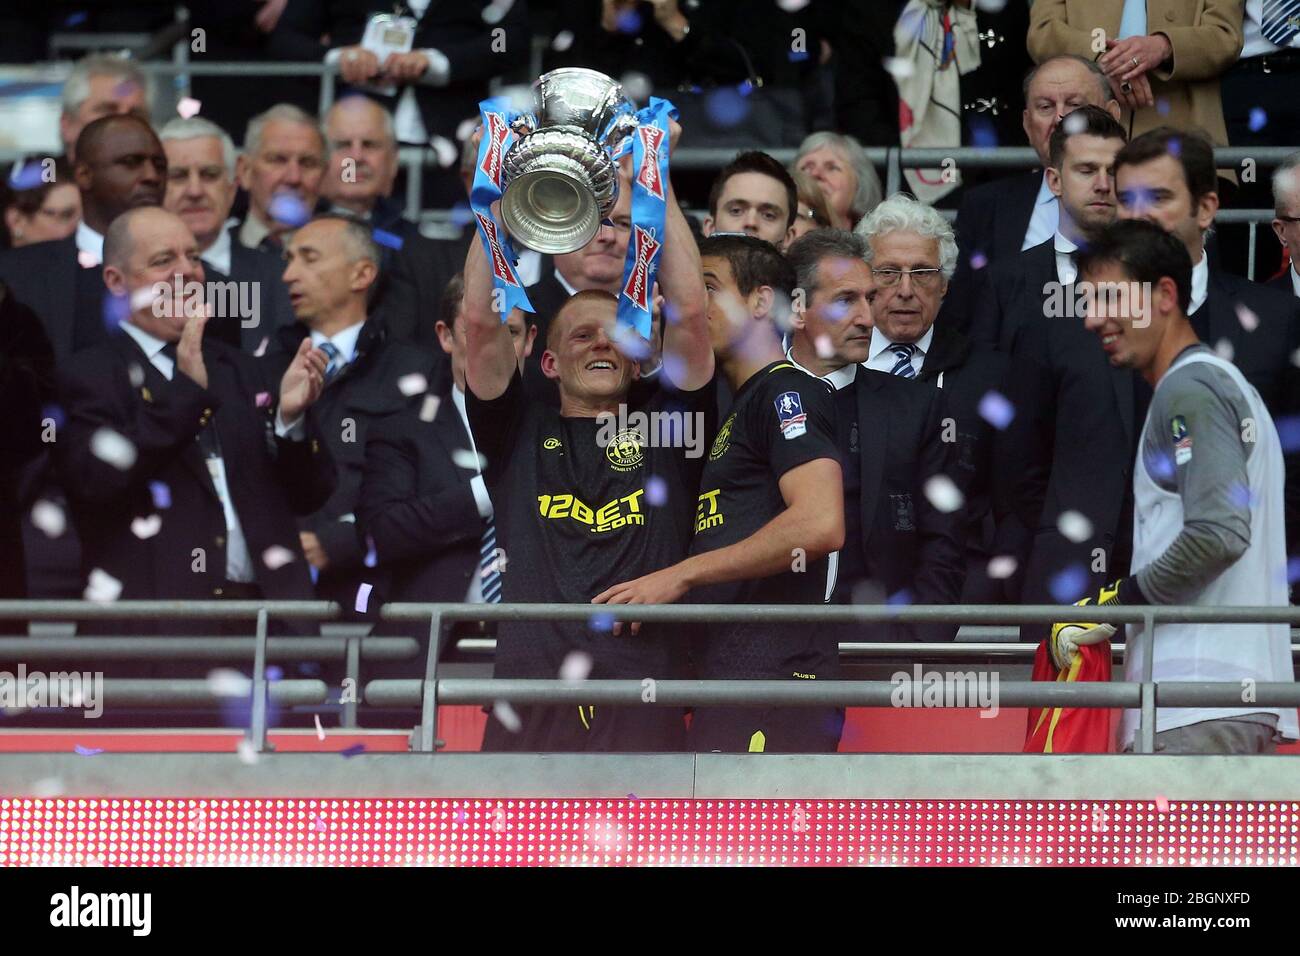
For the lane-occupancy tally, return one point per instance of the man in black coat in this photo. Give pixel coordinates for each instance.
(903, 541)
(201, 190)
(120, 166)
(184, 464)
(332, 266)
(1081, 177)
(999, 219)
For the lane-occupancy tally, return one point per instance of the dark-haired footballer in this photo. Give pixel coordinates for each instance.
(771, 511)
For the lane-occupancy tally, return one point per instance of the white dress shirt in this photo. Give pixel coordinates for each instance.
(883, 360)
(345, 340)
(842, 377)
(1066, 269)
(89, 241)
(478, 486)
(1295, 279)
(1045, 219)
(217, 255)
(1200, 283)
(239, 563)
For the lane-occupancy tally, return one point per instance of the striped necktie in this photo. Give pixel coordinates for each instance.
(489, 567)
(336, 362)
(903, 366)
(1280, 21)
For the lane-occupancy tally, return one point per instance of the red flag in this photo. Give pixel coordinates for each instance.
(1077, 730)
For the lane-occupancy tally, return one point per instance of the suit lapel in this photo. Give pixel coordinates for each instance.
(873, 439)
(1013, 219)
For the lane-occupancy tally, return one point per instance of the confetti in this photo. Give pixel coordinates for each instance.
(145, 527)
(978, 261)
(276, 556)
(726, 106)
(88, 751)
(1224, 350)
(25, 176)
(188, 106)
(997, 410)
(261, 347)
(227, 682)
(656, 491)
(54, 413)
(1241, 495)
(262, 400)
(246, 752)
(1258, 119)
(353, 751)
(143, 298)
(1002, 566)
(87, 259)
(901, 597)
(461, 214)
(603, 621)
(1293, 570)
(472, 461)
(445, 151)
(387, 239)
(990, 6)
(429, 409)
(562, 41)
(102, 587)
(362, 603)
(288, 208)
(1074, 124)
(943, 494)
(48, 787)
(898, 68)
(825, 349)
(1162, 804)
(633, 796)
(629, 21)
(371, 559)
(496, 11)
(792, 6)
(503, 712)
(113, 449)
(636, 85)
(628, 341)
(320, 731)
(135, 373)
(576, 667)
(274, 673)
(1248, 319)
(317, 824)
(116, 310)
(1074, 526)
(162, 495)
(1288, 432)
(412, 384)
(50, 518)
(1068, 586)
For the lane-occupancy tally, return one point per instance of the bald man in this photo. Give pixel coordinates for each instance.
(183, 463)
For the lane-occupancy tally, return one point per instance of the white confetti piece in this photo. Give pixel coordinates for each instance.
(1074, 526)
(275, 557)
(636, 85)
(112, 448)
(466, 128)
(136, 374)
(576, 667)
(246, 751)
(143, 298)
(1224, 350)
(362, 602)
(898, 68)
(496, 11)
(102, 587)
(261, 347)
(429, 409)
(1002, 566)
(50, 518)
(824, 347)
(48, 787)
(445, 150)
(412, 384)
(1248, 319)
(320, 731)
(503, 712)
(226, 682)
(995, 409)
(145, 527)
(563, 40)
(87, 259)
(1075, 124)
(464, 458)
(941, 492)
(188, 106)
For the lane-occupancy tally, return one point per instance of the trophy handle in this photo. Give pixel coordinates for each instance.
(523, 125)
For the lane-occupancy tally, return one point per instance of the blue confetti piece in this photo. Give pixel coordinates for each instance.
(1175, 146)
(88, 751)
(461, 214)
(726, 106)
(633, 796)
(1068, 586)
(1293, 570)
(54, 413)
(116, 310)
(629, 21)
(289, 209)
(371, 559)
(983, 134)
(1160, 466)
(162, 495)
(656, 491)
(76, 19)
(353, 750)
(315, 575)
(309, 668)
(1241, 496)
(274, 673)
(798, 56)
(1288, 432)
(1258, 119)
(27, 177)
(900, 598)
(997, 410)
(388, 239)
(602, 622)
(1162, 106)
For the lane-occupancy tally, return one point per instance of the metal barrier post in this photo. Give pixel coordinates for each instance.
(1250, 251)
(352, 672)
(893, 171)
(1146, 742)
(326, 93)
(260, 693)
(426, 739)
(414, 189)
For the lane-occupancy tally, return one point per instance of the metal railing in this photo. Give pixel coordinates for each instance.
(1144, 695)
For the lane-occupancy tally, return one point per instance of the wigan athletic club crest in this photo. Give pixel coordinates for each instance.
(624, 450)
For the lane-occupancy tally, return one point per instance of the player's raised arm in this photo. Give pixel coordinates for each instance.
(490, 359)
(686, 347)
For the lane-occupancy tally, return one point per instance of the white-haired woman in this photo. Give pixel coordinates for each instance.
(840, 166)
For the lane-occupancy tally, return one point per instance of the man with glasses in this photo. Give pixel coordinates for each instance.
(1286, 221)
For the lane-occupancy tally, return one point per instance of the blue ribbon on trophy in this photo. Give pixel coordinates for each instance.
(498, 134)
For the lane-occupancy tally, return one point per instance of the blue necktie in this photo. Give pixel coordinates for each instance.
(1280, 21)
(335, 356)
(488, 565)
(1133, 21)
(903, 366)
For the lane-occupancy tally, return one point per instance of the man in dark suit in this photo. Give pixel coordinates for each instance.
(183, 463)
(991, 414)
(1009, 215)
(280, 168)
(121, 166)
(201, 190)
(362, 166)
(1175, 186)
(1081, 176)
(1286, 221)
(332, 266)
(903, 541)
